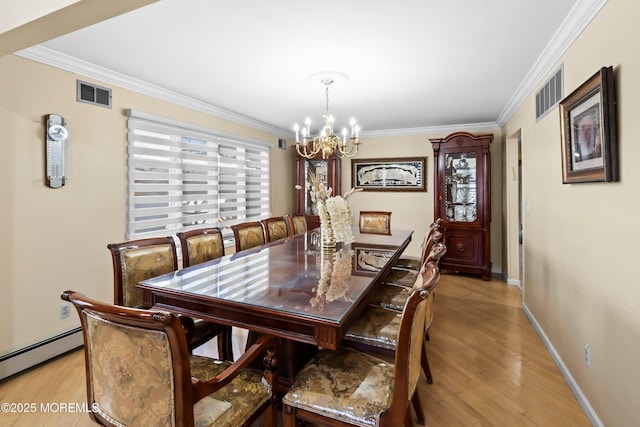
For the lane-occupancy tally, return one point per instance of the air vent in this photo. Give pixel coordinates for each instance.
(549, 95)
(93, 94)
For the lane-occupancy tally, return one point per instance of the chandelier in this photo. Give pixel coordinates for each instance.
(327, 142)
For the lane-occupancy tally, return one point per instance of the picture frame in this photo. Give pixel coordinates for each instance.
(588, 131)
(389, 174)
(368, 259)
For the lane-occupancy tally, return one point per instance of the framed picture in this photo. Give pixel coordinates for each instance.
(588, 131)
(369, 259)
(389, 174)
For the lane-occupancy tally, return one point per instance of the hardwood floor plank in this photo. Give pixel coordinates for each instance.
(489, 366)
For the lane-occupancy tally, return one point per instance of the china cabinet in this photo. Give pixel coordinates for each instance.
(327, 171)
(463, 200)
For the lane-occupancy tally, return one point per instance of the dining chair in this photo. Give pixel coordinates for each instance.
(248, 235)
(201, 245)
(375, 222)
(403, 276)
(350, 387)
(275, 228)
(297, 224)
(416, 263)
(138, 260)
(198, 246)
(139, 372)
(392, 295)
(377, 329)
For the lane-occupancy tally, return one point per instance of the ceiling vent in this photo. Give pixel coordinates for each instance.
(93, 94)
(550, 94)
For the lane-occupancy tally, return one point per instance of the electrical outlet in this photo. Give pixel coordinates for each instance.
(65, 310)
(587, 354)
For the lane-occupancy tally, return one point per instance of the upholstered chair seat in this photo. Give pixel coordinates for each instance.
(405, 277)
(346, 385)
(376, 329)
(139, 372)
(401, 277)
(233, 404)
(391, 297)
(349, 387)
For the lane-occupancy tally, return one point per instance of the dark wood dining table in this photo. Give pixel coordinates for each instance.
(290, 288)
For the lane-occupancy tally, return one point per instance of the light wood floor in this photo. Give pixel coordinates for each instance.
(489, 367)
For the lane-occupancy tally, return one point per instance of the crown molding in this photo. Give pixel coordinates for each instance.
(433, 130)
(69, 63)
(576, 21)
(580, 16)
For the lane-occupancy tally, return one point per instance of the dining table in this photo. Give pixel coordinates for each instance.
(292, 288)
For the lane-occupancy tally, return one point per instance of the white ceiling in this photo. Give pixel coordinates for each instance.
(411, 64)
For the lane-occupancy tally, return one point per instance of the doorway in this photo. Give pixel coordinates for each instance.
(515, 212)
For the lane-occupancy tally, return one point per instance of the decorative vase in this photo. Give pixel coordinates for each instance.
(327, 237)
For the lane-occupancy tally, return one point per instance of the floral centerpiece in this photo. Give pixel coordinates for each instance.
(335, 278)
(334, 212)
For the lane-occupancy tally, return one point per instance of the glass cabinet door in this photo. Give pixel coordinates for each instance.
(460, 187)
(320, 169)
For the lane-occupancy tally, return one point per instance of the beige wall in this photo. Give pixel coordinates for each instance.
(581, 267)
(414, 210)
(55, 239)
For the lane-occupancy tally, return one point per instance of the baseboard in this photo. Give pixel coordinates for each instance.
(33, 355)
(573, 385)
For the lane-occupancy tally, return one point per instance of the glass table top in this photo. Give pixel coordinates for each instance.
(291, 275)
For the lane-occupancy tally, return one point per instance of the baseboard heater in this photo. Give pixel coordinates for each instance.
(35, 354)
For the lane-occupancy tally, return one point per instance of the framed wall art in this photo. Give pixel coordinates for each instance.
(369, 259)
(389, 174)
(588, 131)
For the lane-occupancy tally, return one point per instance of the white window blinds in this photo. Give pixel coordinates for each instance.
(181, 176)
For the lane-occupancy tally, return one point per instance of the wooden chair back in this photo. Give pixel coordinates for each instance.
(201, 245)
(248, 235)
(138, 260)
(375, 222)
(275, 228)
(138, 368)
(409, 348)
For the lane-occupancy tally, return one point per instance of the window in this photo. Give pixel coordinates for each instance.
(182, 176)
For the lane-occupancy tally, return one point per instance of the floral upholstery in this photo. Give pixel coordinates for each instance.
(139, 264)
(401, 277)
(204, 247)
(277, 230)
(344, 384)
(377, 327)
(251, 237)
(132, 380)
(233, 404)
(390, 296)
(299, 224)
